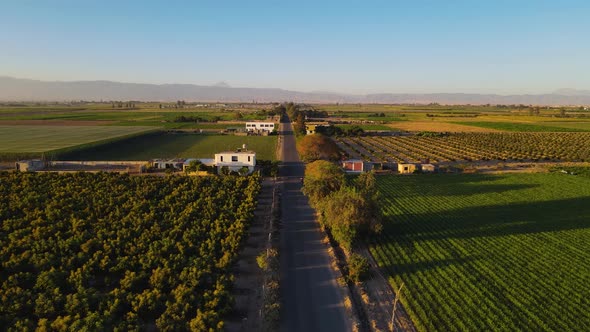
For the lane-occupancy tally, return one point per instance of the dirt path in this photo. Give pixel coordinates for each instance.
(380, 300)
(248, 276)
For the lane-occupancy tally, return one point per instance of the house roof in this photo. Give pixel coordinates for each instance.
(237, 152)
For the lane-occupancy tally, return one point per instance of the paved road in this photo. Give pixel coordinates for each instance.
(312, 300)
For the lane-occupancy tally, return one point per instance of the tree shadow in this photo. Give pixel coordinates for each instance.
(495, 220)
(459, 185)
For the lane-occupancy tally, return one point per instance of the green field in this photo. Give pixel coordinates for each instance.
(43, 139)
(523, 127)
(177, 145)
(489, 252)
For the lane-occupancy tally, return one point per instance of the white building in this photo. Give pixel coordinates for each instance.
(261, 126)
(235, 160)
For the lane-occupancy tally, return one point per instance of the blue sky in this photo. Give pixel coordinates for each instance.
(354, 47)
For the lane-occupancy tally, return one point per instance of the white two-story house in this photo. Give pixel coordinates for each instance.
(235, 160)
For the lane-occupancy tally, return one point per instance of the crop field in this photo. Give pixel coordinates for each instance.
(469, 147)
(437, 126)
(110, 252)
(177, 145)
(488, 253)
(523, 127)
(35, 140)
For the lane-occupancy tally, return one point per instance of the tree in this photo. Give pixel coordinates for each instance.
(366, 184)
(314, 147)
(194, 166)
(244, 171)
(346, 213)
(321, 179)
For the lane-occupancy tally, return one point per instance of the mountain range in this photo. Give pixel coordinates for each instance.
(16, 89)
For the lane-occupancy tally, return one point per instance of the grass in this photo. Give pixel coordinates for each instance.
(177, 145)
(45, 139)
(481, 252)
(521, 127)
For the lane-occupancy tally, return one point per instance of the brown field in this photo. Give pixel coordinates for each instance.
(437, 127)
(55, 122)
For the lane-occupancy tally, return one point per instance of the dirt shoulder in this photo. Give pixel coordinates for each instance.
(249, 278)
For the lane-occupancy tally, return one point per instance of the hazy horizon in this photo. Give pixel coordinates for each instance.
(506, 48)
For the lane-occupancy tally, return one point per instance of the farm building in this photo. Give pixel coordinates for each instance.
(311, 126)
(235, 160)
(356, 165)
(30, 165)
(406, 168)
(260, 126)
(167, 163)
(428, 168)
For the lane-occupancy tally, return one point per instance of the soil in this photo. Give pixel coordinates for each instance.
(249, 278)
(379, 303)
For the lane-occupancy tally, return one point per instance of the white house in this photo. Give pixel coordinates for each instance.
(235, 160)
(260, 126)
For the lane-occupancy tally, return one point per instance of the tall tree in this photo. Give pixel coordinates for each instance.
(316, 146)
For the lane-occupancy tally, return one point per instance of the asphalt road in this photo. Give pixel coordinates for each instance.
(312, 299)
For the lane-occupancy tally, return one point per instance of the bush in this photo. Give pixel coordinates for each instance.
(358, 268)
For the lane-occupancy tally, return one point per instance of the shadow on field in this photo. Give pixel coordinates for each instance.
(411, 268)
(500, 220)
(458, 185)
(144, 147)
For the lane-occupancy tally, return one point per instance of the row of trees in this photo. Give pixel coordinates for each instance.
(115, 252)
(348, 210)
(338, 131)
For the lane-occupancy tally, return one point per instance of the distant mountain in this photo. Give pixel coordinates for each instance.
(15, 89)
(572, 92)
(222, 85)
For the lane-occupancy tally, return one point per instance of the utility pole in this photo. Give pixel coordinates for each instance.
(397, 295)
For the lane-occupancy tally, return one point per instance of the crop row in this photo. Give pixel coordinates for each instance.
(475, 256)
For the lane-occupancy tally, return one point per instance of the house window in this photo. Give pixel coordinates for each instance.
(234, 158)
(221, 158)
(405, 168)
(248, 158)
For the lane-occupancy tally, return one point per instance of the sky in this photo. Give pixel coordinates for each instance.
(494, 46)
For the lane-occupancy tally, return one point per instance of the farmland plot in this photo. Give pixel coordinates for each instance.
(470, 147)
(480, 252)
(45, 139)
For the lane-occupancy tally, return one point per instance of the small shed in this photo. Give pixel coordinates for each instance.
(356, 165)
(406, 168)
(428, 168)
(30, 165)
